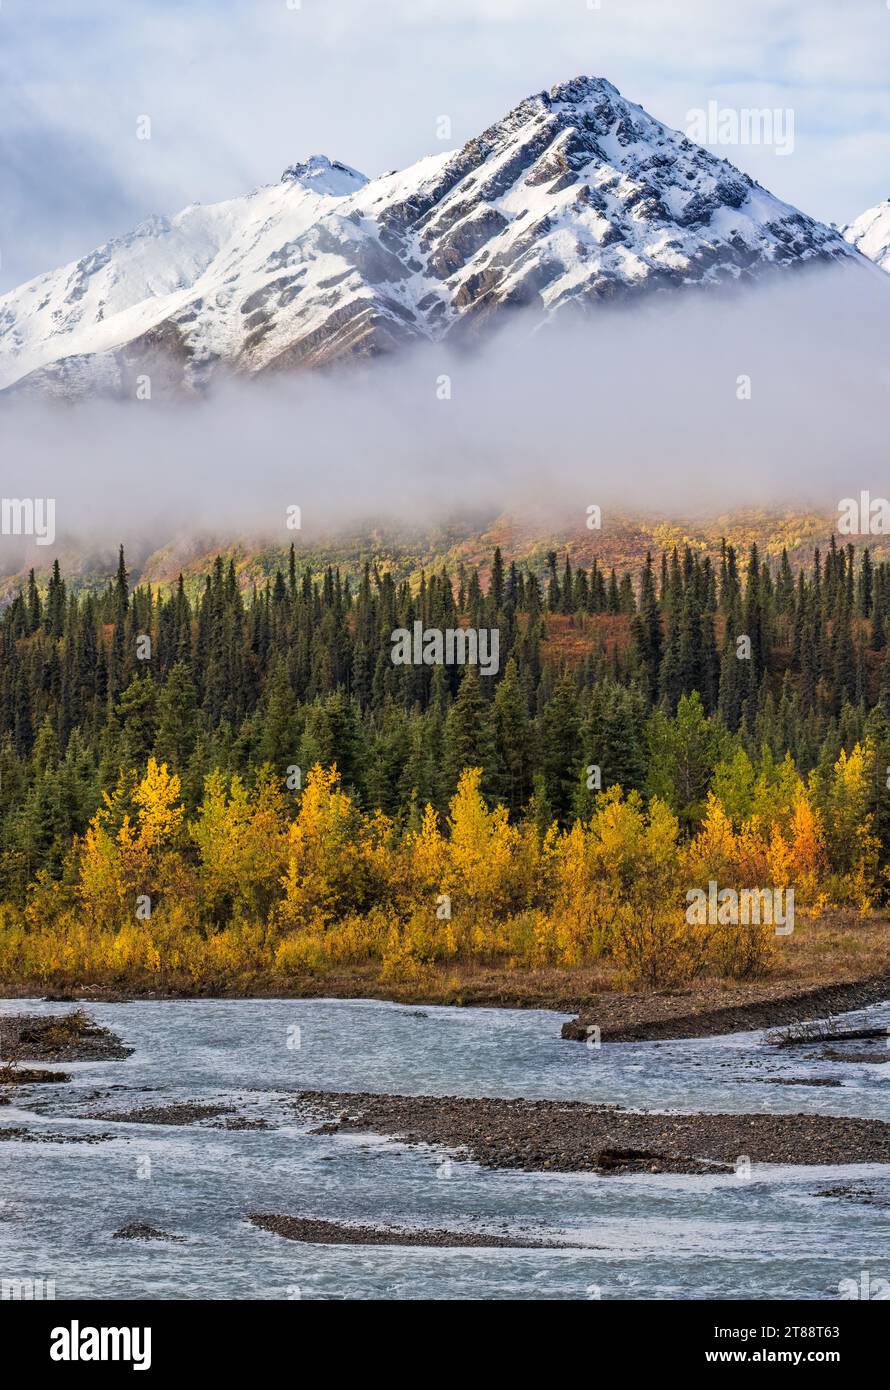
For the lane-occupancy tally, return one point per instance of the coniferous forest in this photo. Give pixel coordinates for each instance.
(240, 781)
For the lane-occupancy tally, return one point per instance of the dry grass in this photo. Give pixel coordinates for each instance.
(838, 948)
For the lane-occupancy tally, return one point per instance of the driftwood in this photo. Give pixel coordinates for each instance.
(823, 1031)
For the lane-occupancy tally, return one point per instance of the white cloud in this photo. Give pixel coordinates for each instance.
(629, 410)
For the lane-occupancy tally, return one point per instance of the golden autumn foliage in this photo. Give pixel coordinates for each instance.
(333, 855)
(258, 880)
(241, 844)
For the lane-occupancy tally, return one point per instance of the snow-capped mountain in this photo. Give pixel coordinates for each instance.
(870, 234)
(576, 197)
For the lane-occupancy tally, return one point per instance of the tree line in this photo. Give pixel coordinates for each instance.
(650, 684)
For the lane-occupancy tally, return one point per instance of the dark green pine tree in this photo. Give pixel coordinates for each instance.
(646, 637)
(35, 607)
(785, 585)
(616, 739)
(671, 676)
(865, 585)
(877, 730)
(513, 737)
(884, 690)
(553, 594)
(878, 633)
(496, 588)
(136, 713)
(178, 720)
(278, 743)
(567, 591)
(468, 738)
(559, 745)
(54, 617)
(753, 622)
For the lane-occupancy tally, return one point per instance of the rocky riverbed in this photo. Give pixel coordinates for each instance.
(708, 1013)
(314, 1231)
(69, 1037)
(571, 1137)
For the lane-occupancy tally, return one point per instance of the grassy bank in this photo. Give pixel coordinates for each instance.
(841, 952)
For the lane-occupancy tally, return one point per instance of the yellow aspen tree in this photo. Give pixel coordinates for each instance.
(160, 812)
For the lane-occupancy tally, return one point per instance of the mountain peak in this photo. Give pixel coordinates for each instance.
(578, 90)
(575, 198)
(870, 234)
(323, 175)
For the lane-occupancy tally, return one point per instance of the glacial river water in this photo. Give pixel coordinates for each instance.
(656, 1236)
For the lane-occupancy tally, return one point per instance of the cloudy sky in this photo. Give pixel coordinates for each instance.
(237, 89)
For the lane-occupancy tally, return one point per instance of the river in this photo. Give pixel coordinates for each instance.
(653, 1236)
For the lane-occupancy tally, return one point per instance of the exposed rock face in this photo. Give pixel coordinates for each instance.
(577, 196)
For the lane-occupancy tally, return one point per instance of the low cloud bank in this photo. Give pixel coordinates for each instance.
(688, 404)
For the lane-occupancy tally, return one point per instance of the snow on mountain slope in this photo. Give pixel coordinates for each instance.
(181, 284)
(575, 197)
(870, 234)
